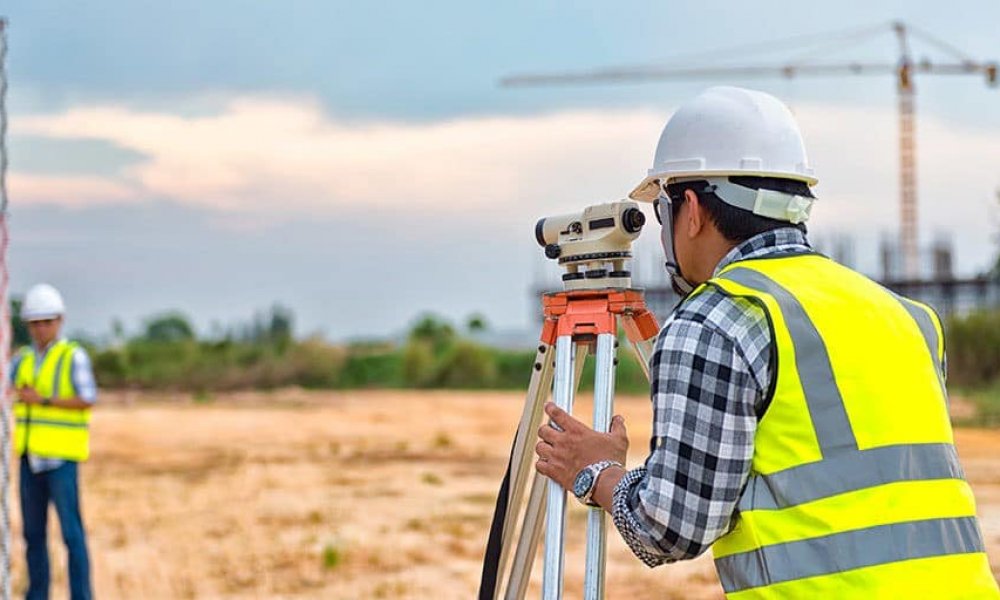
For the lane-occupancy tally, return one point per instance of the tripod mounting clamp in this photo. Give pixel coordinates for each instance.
(585, 314)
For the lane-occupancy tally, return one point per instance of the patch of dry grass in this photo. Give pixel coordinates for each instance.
(356, 495)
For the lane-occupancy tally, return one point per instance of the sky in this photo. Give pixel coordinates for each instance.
(359, 164)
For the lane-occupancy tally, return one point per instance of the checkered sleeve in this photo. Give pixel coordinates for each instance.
(705, 396)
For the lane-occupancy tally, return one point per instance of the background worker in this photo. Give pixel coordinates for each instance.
(800, 420)
(55, 389)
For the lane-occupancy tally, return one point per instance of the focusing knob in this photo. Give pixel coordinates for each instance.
(553, 251)
(633, 220)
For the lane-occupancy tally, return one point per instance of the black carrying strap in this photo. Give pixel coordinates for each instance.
(491, 560)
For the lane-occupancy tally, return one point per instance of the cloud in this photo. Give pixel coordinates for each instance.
(288, 155)
(76, 191)
(260, 158)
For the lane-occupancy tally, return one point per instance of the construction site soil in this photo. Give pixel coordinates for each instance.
(351, 495)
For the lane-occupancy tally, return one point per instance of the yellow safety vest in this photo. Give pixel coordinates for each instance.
(855, 489)
(49, 431)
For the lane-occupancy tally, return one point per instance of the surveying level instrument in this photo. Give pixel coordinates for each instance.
(593, 247)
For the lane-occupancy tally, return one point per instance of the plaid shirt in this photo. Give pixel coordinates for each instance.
(710, 372)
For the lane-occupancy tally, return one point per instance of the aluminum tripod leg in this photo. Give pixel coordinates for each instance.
(643, 351)
(555, 512)
(523, 451)
(571, 315)
(604, 394)
(534, 514)
(604, 388)
(527, 542)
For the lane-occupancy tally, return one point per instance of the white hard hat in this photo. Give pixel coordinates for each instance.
(728, 131)
(42, 302)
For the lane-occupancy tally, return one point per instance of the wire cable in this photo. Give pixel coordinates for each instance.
(804, 42)
(939, 44)
(841, 43)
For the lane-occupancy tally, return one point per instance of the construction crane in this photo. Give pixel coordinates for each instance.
(903, 70)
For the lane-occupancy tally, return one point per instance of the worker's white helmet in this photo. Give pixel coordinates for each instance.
(42, 302)
(728, 131)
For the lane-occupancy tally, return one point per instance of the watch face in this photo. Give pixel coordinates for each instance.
(584, 479)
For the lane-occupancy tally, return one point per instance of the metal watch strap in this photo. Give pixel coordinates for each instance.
(597, 468)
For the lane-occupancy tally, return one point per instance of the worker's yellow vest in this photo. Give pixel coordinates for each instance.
(49, 431)
(855, 488)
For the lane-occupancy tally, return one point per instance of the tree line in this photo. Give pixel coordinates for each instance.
(167, 353)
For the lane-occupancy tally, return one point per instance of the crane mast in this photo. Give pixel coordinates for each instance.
(908, 233)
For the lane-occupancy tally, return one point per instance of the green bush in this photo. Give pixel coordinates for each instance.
(372, 370)
(973, 348)
(418, 364)
(513, 368)
(112, 365)
(317, 364)
(466, 364)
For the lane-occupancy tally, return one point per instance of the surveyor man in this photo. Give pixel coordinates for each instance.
(54, 390)
(800, 426)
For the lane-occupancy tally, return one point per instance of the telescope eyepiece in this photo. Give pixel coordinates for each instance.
(633, 219)
(540, 233)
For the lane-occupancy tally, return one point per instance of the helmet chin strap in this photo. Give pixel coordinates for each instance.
(682, 287)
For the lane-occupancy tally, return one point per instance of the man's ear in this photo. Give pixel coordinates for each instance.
(696, 213)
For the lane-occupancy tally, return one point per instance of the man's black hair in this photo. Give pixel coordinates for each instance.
(735, 224)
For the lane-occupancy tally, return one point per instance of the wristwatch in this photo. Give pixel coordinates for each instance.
(586, 480)
(46, 401)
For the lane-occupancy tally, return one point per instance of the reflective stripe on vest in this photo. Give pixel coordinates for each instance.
(840, 492)
(935, 341)
(50, 431)
(852, 550)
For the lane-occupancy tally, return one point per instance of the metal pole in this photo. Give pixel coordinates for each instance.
(5, 334)
(555, 513)
(604, 393)
(3, 115)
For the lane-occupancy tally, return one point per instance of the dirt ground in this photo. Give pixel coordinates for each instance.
(350, 495)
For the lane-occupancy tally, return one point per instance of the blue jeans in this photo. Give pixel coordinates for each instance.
(60, 487)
